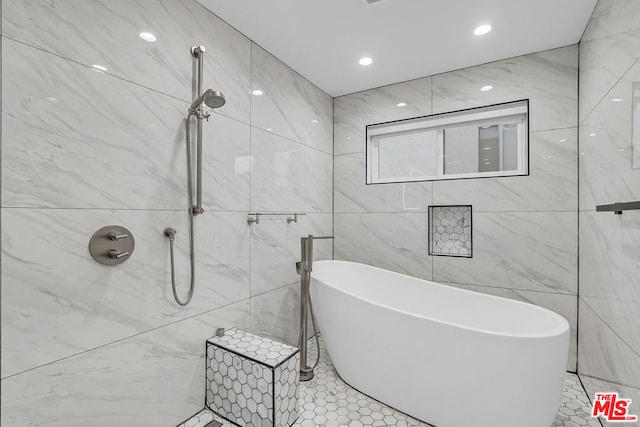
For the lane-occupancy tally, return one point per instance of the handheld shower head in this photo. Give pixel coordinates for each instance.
(211, 98)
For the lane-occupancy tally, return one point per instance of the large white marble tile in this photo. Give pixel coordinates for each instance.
(107, 33)
(276, 314)
(610, 255)
(57, 301)
(156, 378)
(602, 63)
(534, 251)
(552, 184)
(565, 305)
(275, 249)
(612, 17)
(226, 170)
(616, 105)
(352, 113)
(596, 385)
(353, 195)
(288, 176)
(548, 79)
(606, 173)
(602, 353)
(75, 137)
(222, 257)
(623, 317)
(290, 106)
(394, 241)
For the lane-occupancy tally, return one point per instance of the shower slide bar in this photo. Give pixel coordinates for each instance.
(618, 207)
(254, 217)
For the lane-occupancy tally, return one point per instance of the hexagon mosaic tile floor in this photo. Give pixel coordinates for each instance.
(328, 401)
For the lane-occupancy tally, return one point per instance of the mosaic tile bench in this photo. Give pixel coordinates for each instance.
(252, 380)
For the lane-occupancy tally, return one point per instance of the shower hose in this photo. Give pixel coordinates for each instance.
(171, 233)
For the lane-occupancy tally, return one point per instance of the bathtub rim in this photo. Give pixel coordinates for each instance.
(558, 331)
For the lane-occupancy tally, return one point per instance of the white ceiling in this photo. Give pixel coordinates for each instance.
(324, 39)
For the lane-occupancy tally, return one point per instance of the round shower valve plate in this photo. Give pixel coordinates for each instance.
(111, 245)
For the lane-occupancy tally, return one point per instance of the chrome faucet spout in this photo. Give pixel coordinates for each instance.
(304, 268)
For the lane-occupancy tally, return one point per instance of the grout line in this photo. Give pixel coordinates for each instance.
(123, 339)
(578, 216)
(333, 179)
(1, 151)
(611, 329)
(153, 210)
(611, 382)
(457, 70)
(124, 79)
(52, 208)
(609, 299)
(508, 289)
(280, 287)
(588, 397)
(417, 211)
(305, 145)
(91, 68)
(597, 104)
(251, 140)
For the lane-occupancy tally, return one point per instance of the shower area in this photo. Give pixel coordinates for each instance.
(95, 132)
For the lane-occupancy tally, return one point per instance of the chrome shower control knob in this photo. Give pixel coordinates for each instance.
(117, 236)
(115, 254)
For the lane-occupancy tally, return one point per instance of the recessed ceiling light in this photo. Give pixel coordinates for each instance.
(348, 137)
(99, 67)
(617, 100)
(620, 149)
(401, 104)
(270, 130)
(487, 148)
(563, 140)
(592, 134)
(148, 37)
(482, 29)
(486, 88)
(365, 61)
(52, 98)
(314, 121)
(257, 92)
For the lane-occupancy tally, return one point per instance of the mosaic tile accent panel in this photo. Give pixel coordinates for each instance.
(252, 380)
(450, 232)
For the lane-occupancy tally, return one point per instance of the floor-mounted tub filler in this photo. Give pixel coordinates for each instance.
(450, 357)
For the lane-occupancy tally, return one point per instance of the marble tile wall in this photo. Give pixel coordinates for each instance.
(525, 228)
(609, 320)
(84, 148)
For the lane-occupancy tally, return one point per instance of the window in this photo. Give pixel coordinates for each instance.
(481, 142)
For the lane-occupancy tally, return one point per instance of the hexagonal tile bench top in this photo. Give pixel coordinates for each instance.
(252, 380)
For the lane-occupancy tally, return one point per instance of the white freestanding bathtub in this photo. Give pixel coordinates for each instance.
(449, 357)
